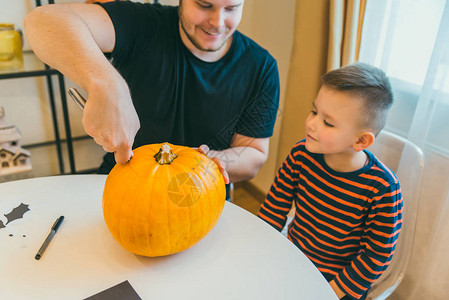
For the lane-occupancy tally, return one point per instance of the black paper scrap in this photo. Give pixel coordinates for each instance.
(121, 291)
(16, 213)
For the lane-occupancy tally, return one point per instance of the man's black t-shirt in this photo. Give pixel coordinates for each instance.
(181, 99)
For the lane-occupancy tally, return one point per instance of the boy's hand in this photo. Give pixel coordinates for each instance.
(337, 290)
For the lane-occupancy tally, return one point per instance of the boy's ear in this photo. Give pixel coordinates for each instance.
(365, 140)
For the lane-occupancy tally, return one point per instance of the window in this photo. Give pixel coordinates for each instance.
(406, 39)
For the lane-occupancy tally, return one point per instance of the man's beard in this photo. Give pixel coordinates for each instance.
(196, 43)
(191, 37)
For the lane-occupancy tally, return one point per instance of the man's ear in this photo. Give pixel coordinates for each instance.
(365, 140)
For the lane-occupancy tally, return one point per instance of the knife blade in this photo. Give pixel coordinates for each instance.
(77, 97)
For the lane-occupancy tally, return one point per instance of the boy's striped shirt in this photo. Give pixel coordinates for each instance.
(346, 223)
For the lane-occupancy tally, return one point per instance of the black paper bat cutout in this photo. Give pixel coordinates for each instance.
(16, 213)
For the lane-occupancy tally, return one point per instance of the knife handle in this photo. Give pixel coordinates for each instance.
(77, 97)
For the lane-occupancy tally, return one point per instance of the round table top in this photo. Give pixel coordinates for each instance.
(241, 258)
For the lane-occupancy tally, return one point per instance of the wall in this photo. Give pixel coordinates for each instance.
(270, 24)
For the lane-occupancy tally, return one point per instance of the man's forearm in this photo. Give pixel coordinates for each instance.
(241, 163)
(63, 40)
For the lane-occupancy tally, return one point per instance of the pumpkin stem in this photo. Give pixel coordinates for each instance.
(165, 155)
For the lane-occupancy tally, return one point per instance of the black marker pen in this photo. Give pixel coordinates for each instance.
(53, 231)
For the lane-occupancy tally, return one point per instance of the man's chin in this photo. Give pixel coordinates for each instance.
(210, 50)
(210, 47)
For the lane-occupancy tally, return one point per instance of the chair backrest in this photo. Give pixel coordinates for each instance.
(407, 161)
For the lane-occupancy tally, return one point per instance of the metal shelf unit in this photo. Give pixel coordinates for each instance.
(34, 68)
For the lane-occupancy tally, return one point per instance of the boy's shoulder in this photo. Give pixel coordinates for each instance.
(379, 169)
(375, 168)
(299, 146)
(298, 152)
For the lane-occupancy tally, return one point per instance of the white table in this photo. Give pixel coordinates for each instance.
(241, 258)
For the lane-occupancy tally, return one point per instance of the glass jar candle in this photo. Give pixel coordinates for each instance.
(10, 47)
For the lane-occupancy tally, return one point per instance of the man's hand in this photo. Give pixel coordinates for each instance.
(242, 160)
(110, 118)
(205, 149)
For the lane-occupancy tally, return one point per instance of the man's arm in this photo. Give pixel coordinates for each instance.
(72, 38)
(243, 160)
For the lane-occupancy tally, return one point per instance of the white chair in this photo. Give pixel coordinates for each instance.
(407, 161)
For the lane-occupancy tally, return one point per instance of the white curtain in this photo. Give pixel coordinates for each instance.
(409, 39)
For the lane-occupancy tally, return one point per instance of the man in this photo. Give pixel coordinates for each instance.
(182, 75)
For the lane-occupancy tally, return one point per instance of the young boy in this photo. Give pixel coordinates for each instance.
(348, 204)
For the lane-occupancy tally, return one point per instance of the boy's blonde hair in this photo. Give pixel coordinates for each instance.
(368, 83)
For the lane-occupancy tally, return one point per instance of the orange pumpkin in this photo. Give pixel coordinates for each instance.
(164, 200)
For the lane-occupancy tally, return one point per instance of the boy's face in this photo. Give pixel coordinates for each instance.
(333, 125)
(208, 24)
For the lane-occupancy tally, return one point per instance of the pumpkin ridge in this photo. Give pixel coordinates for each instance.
(208, 170)
(120, 226)
(170, 227)
(194, 237)
(149, 231)
(179, 168)
(206, 202)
